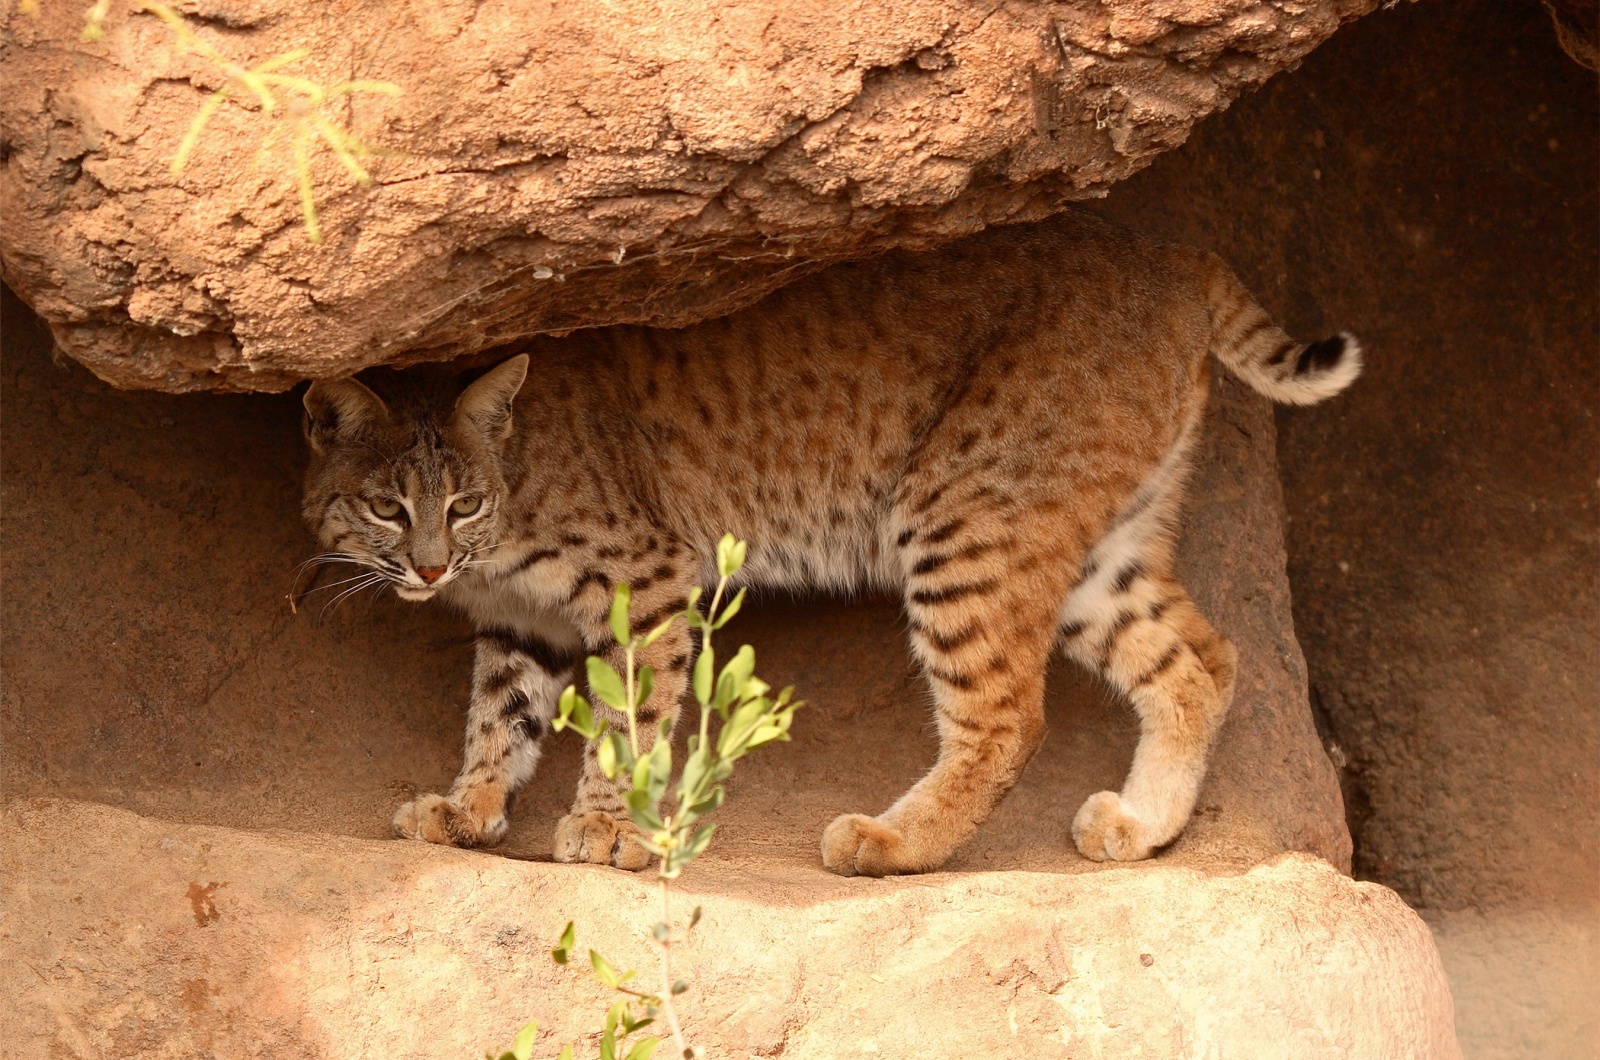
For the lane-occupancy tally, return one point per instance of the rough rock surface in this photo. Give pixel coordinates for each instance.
(215, 942)
(565, 165)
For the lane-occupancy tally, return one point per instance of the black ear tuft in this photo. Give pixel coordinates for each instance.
(339, 409)
(486, 404)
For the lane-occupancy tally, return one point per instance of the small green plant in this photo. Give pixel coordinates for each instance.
(748, 717)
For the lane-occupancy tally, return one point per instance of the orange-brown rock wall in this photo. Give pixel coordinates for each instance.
(562, 165)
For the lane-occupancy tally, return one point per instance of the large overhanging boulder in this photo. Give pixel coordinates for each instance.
(557, 165)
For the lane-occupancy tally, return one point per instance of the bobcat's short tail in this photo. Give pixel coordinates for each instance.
(1245, 339)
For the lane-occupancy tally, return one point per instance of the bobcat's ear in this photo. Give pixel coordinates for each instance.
(486, 404)
(339, 409)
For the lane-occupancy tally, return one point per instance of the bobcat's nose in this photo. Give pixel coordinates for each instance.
(430, 574)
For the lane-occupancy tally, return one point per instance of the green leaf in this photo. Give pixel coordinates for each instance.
(522, 1048)
(661, 931)
(731, 610)
(607, 754)
(603, 970)
(566, 1052)
(710, 803)
(563, 947)
(702, 838)
(642, 811)
(677, 859)
(564, 706)
(659, 632)
(765, 734)
(620, 602)
(606, 683)
(736, 732)
(696, 768)
(704, 667)
(730, 555)
(641, 774)
(679, 987)
(643, 1049)
(647, 682)
(694, 917)
(734, 677)
(576, 714)
(608, 1040)
(660, 769)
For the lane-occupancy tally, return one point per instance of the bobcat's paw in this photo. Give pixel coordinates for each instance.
(1106, 829)
(858, 845)
(599, 839)
(435, 819)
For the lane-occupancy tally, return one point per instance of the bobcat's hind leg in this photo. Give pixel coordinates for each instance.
(516, 680)
(1140, 630)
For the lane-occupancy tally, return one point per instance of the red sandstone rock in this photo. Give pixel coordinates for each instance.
(565, 165)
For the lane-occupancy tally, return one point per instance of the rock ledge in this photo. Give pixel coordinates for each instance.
(137, 938)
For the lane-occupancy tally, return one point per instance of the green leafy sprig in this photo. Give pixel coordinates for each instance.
(748, 716)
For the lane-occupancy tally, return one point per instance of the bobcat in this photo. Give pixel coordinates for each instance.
(999, 431)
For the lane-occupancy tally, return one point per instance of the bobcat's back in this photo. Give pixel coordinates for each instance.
(1021, 355)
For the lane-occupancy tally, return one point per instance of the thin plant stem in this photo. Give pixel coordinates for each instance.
(668, 1008)
(633, 727)
(705, 645)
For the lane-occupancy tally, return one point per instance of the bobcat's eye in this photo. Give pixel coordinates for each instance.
(466, 505)
(386, 508)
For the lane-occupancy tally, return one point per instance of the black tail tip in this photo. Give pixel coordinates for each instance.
(1320, 356)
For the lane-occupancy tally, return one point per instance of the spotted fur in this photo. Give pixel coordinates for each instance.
(1000, 432)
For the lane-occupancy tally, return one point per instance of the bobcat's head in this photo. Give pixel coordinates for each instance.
(409, 488)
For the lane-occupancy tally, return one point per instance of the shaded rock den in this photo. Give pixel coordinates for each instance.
(198, 782)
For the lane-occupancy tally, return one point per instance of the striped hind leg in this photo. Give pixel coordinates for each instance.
(980, 595)
(1138, 628)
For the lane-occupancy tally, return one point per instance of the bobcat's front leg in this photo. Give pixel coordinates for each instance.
(516, 682)
(597, 830)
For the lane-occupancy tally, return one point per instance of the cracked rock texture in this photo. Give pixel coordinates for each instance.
(562, 165)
